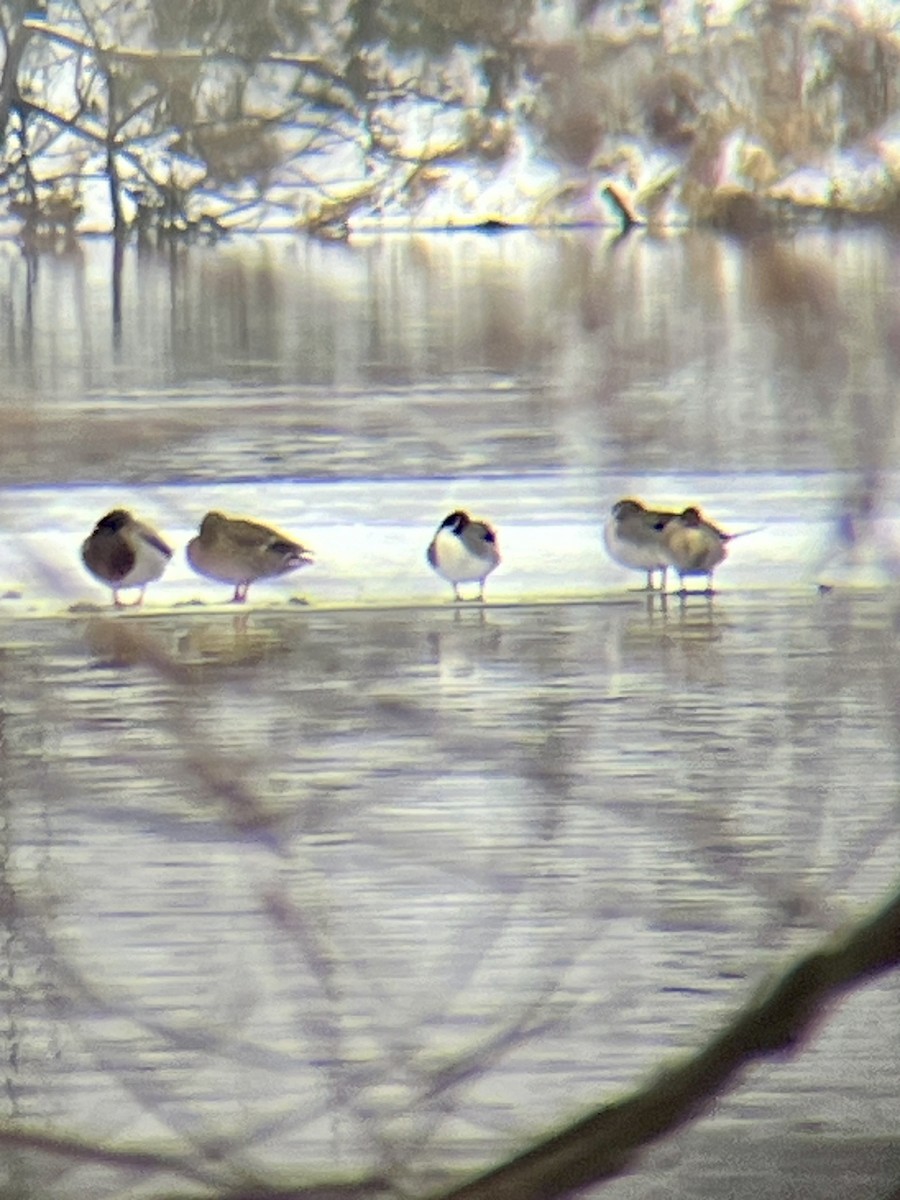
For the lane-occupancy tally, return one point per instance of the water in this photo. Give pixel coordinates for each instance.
(377, 884)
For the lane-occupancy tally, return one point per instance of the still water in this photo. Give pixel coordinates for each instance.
(375, 884)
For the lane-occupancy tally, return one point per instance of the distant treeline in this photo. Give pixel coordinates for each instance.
(169, 116)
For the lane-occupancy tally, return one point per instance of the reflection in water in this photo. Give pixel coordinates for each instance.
(463, 355)
(298, 880)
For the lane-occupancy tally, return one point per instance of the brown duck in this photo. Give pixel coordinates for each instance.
(123, 552)
(237, 551)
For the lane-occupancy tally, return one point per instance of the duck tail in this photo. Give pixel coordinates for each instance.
(729, 537)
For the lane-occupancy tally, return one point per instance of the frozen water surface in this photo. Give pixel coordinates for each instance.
(381, 883)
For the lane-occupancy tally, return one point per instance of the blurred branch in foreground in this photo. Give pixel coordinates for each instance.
(606, 1142)
(600, 1146)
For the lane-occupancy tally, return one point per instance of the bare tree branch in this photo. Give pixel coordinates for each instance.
(607, 1141)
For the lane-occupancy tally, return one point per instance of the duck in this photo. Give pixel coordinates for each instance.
(695, 546)
(633, 535)
(464, 550)
(237, 551)
(123, 552)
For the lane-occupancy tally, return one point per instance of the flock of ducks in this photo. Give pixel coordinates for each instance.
(653, 540)
(123, 552)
